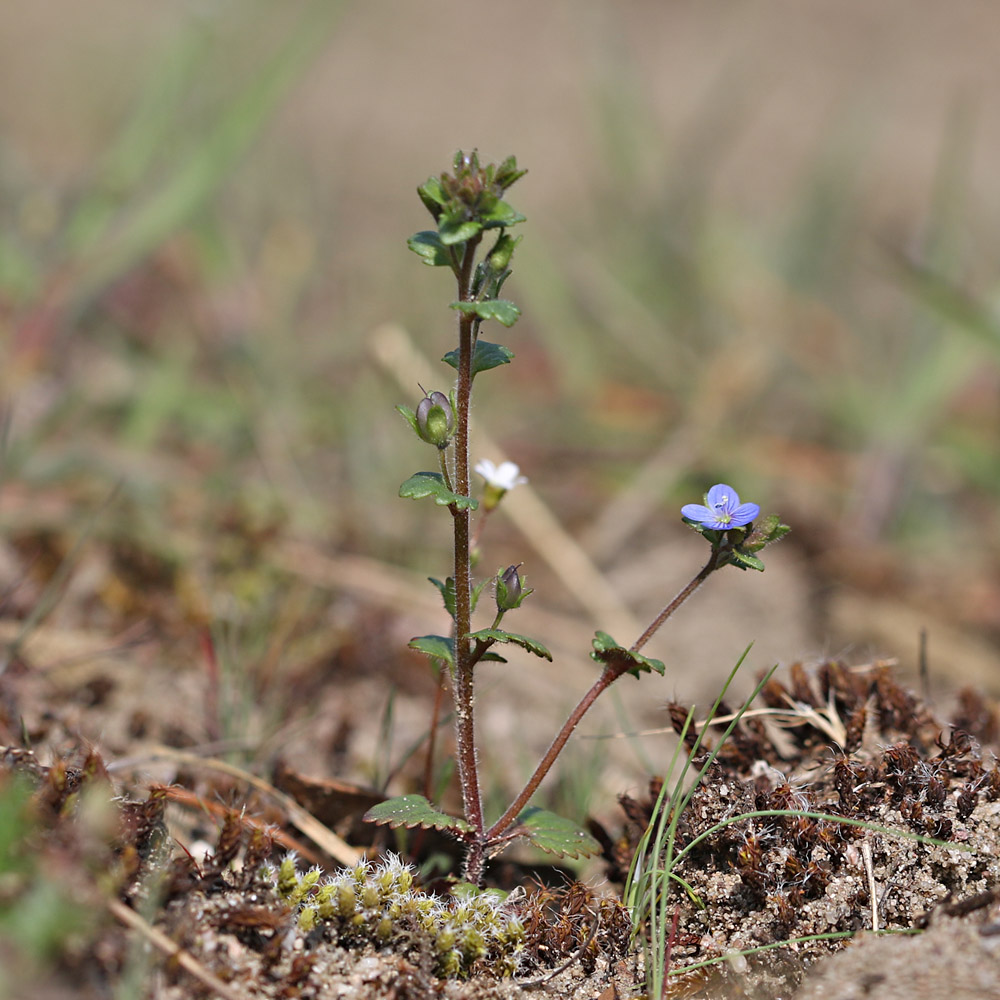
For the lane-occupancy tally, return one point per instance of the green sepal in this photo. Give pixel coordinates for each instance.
(484, 357)
(765, 531)
(447, 591)
(555, 835)
(410, 417)
(606, 650)
(432, 484)
(427, 244)
(414, 810)
(498, 635)
(502, 310)
(507, 172)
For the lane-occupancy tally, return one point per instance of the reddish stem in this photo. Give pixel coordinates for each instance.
(465, 732)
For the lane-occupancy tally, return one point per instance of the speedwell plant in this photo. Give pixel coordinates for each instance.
(472, 239)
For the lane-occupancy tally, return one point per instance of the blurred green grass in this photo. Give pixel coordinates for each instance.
(186, 304)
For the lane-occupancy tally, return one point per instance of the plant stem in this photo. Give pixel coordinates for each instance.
(703, 575)
(612, 671)
(609, 675)
(465, 732)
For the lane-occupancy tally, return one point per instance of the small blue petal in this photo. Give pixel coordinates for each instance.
(744, 514)
(722, 497)
(696, 512)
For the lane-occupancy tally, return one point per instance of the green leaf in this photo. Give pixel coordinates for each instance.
(477, 590)
(606, 650)
(440, 647)
(414, 810)
(427, 244)
(744, 561)
(484, 357)
(457, 230)
(432, 484)
(500, 214)
(447, 591)
(409, 416)
(433, 197)
(502, 310)
(498, 635)
(556, 835)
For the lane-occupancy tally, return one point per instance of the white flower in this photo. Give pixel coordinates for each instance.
(503, 477)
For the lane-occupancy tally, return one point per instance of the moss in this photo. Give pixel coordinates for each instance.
(377, 903)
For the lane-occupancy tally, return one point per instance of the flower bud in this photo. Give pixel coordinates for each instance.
(500, 255)
(435, 419)
(509, 589)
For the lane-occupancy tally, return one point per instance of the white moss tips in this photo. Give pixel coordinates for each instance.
(377, 903)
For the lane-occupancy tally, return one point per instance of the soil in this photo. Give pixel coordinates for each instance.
(170, 870)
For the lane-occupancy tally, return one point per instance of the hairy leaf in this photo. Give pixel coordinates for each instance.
(432, 484)
(502, 310)
(427, 244)
(441, 647)
(498, 635)
(414, 810)
(606, 650)
(484, 357)
(556, 835)
(457, 229)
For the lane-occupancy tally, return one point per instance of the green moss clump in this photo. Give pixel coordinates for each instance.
(377, 903)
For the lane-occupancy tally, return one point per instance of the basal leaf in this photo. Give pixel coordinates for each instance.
(432, 484)
(414, 810)
(502, 310)
(556, 835)
(606, 650)
(485, 357)
(498, 635)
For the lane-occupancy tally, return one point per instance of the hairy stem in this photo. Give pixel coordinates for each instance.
(610, 674)
(703, 574)
(612, 671)
(465, 732)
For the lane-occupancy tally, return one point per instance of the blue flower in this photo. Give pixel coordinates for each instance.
(723, 509)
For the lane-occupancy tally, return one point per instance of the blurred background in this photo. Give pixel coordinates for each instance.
(761, 249)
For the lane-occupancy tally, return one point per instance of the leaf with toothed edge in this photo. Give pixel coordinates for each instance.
(447, 591)
(555, 835)
(414, 810)
(442, 647)
(606, 650)
(485, 356)
(498, 635)
(432, 484)
(502, 310)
